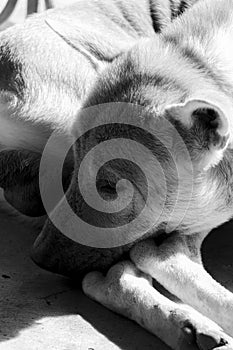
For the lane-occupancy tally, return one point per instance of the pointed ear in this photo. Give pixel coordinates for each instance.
(208, 130)
(211, 116)
(71, 37)
(85, 41)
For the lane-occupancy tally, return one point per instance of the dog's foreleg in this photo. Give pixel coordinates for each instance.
(176, 264)
(129, 292)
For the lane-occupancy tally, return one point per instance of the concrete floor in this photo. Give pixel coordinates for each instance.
(40, 310)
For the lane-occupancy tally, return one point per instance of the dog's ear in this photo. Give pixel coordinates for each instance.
(19, 178)
(86, 42)
(206, 129)
(207, 114)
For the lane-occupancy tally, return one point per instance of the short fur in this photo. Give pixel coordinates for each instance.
(184, 75)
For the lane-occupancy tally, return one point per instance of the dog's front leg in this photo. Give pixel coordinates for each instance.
(129, 292)
(176, 264)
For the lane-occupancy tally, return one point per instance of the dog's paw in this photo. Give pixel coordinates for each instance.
(198, 332)
(129, 292)
(110, 290)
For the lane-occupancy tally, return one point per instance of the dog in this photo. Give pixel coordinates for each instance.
(174, 91)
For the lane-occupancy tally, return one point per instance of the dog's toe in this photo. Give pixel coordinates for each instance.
(204, 338)
(209, 340)
(198, 332)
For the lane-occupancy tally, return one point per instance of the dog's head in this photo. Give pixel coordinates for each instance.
(146, 142)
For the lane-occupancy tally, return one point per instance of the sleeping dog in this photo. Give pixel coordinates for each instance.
(161, 104)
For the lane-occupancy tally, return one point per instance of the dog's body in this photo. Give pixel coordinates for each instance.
(183, 77)
(41, 92)
(187, 71)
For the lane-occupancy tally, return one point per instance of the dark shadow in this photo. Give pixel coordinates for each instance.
(218, 254)
(29, 294)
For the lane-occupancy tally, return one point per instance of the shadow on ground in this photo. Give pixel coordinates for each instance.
(40, 310)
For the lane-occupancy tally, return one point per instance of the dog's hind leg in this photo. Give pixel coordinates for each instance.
(129, 292)
(176, 265)
(19, 178)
